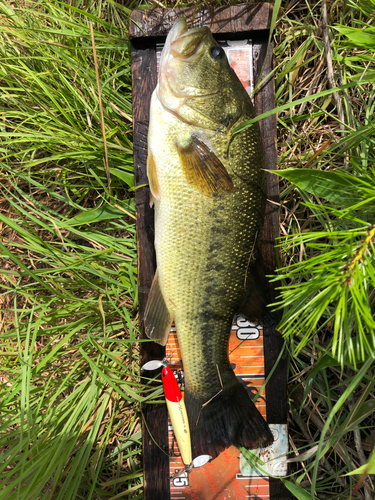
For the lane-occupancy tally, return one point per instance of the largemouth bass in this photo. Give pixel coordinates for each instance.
(208, 189)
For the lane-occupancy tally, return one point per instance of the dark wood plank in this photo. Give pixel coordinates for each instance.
(155, 417)
(264, 101)
(276, 388)
(232, 19)
(277, 408)
(278, 491)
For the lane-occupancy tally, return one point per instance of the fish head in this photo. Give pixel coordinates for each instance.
(196, 81)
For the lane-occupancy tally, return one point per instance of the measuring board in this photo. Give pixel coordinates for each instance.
(230, 475)
(242, 30)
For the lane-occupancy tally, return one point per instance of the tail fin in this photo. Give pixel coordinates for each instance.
(229, 418)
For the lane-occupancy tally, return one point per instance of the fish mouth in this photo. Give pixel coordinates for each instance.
(189, 42)
(183, 43)
(182, 46)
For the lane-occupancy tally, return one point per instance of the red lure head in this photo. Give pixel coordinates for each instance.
(171, 390)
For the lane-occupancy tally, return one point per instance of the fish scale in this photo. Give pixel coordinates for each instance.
(189, 274)
(208, 188)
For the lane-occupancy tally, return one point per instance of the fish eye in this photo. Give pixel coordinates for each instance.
(216, 52)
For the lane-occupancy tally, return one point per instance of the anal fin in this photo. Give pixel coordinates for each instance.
(157, 320)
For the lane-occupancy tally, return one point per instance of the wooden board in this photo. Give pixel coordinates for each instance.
(147, 28)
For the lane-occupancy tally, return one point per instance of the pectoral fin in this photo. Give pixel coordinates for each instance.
(152, 178)
(158, 321)
(203, 169)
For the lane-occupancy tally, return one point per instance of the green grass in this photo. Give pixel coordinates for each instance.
(69, 351)
(69, 425)
(326, 277)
